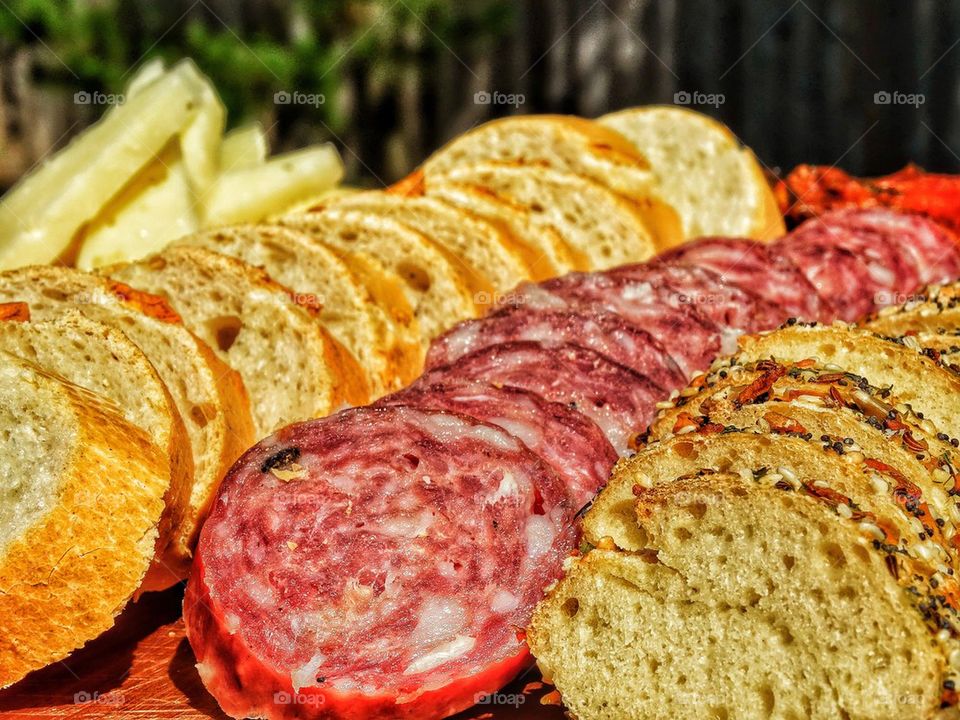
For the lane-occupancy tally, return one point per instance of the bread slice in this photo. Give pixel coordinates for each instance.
(611, 519)
(561, 142)
(106, 362)
(209, 395)
(387, 351)
(936, 309)
(291, 366)
(599, 227)
(488, 256)
(752, 600)
(919, 381)
(81, 496)
(713, 182)
(540, 246)
(843, 413)
(433, 281)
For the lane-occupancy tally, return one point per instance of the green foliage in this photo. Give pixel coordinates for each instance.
(309, 46)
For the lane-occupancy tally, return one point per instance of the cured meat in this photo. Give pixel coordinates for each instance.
(723, 303)
(854, 263)
(374, 564)
(638, 305)
(571, 444)
(606, 332)
(751, 266)
(920, 243)
(619, 400)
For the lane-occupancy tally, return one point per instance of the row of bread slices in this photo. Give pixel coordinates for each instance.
(787, 543)
(192, 354)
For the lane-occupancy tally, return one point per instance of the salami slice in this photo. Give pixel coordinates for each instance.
(930, 248)
(723, 303)
(606, 332)
(374, 564)
(750, 266)
(692, 340)
(858, 268)
(619, 400)
(571, 444)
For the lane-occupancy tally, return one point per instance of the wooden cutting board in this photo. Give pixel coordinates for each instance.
(144, 668)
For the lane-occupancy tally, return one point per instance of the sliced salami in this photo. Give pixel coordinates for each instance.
(858, 268)
(721, 302)
(619, 400)
(374, 564)
(571, 444)
(750, 266)
(606, 332)
(638, 305)
(929, 247)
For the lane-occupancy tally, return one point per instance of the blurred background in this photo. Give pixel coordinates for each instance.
(867, 85)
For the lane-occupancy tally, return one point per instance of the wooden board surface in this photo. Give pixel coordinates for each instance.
(144, 668)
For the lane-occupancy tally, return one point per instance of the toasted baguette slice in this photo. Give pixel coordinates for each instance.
(751, 601)
(842, 412)
(562, 142)
(790, 458)
(292, 367)
(106, 362)
(714, 183)
(81, 497)
(210, 396)
(387, 351)
(936, 309)
(434, 282)
(919, 381)
(488, 256)
(541, 247)
(600, 228)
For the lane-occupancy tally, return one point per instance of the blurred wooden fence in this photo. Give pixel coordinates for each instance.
(798, 80)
